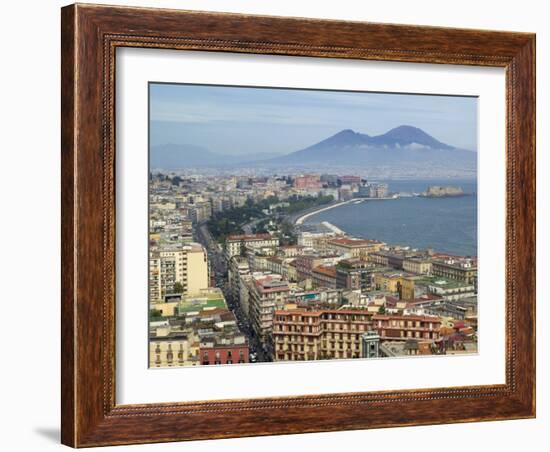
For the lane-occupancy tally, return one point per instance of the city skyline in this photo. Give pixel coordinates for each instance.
(337, 249)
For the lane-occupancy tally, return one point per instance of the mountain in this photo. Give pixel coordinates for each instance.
(407, 136)
(170, 156)
(400, 147)
(403, 151)
(173, 156)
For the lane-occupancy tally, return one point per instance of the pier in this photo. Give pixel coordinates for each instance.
(302, 218)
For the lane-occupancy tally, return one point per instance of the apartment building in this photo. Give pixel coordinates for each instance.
(307, 181)
(306, 263)
(200, 211)
(315, 239)
(324, 276)
(237, 268)
(291, 250)
(450, 289)
(399, 327)
(220, 349)
(274, 264)
(267, 293)
(186, 265)
(459, 269)
(173, 348)
(418, 265)
(300, 334)
(236, 243)
(355, 274)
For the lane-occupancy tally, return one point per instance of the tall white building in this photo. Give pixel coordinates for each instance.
(186, 265)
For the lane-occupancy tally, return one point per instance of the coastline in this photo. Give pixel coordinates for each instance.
(301, 218)
(333, 228)
(392, 233)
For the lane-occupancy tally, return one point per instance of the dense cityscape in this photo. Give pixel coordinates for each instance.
(237, 276)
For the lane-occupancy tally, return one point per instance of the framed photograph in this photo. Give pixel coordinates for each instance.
(282, 225)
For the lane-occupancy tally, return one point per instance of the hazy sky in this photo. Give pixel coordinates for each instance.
(235, 120)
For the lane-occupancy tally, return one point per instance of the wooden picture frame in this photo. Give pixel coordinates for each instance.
(90, 36)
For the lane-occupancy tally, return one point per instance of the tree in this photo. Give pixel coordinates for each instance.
(155, 314)
(382, 310)
(287, 235)
(243, 249)
(178, 287)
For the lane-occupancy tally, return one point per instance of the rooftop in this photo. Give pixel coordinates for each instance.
(317, 313)
(205, 299)
(328, 270)
(425, 318)
(438, 281)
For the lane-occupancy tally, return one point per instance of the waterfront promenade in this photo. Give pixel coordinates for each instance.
(305, 215)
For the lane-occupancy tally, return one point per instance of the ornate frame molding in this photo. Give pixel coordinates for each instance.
(90, 36)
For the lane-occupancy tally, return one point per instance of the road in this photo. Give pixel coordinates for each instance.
(248, 227)
(245, 327)
(218, 265)
(292, 218)
(214, 250)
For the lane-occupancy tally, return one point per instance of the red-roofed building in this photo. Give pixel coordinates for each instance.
(307, 181)
(324, 276)
(306, 263)
(355, 247)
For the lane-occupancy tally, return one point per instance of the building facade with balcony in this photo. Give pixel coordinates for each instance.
(173, 349)
(211, 353)
(355, 274)
(267, 293)
(300, 334)
(418, 265)
(236, 243)
(464, 270)
(398, 327)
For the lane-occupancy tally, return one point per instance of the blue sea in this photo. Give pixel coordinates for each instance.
(444, 224)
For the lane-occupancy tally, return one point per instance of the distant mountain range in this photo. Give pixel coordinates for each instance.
(175, 156)
(403, 147)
